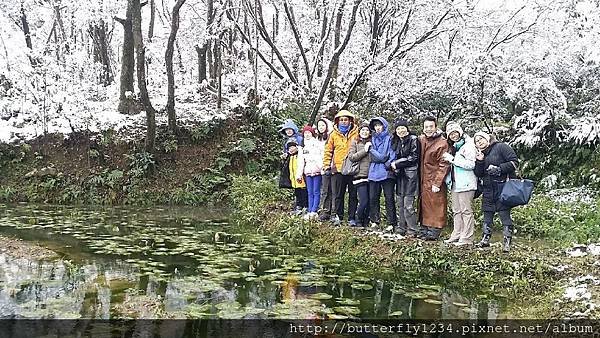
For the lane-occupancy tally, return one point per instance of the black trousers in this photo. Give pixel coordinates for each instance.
(301, 197)
(339, 184)
(326, 195)
(505, 219)
(362, 213)
(389, 193)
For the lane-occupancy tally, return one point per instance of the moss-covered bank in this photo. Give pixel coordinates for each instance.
(529, 273)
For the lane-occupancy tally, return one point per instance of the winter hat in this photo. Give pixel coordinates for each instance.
(364, 124)
(452, 127)
(400, 122)
(309, 128)
(291, 142)
(483, 134)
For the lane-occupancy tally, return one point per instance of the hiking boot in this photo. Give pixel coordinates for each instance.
(451, 240)
(399, 231)
(335, 220)
(431, 237)
(506, 244)
(484, 243)
(352, 223)
(324, 217)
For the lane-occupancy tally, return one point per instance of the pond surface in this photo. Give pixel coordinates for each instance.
(172, 262)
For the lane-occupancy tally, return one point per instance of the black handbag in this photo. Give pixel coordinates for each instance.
(284, 174)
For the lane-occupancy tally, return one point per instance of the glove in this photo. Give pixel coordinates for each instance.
(367, 146)
(435, 189)
(493, 170)
(393, 165)
(448, 157)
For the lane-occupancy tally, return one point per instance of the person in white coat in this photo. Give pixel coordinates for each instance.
(310, 165)
(462, 183)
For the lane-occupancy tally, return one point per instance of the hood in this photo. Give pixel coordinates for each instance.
(385, 126)
(437, 134)
(328, 123)
(288, 124)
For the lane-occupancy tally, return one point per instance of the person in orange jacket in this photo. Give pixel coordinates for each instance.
(336, 150)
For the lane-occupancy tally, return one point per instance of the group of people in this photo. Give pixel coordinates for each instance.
(413, 172)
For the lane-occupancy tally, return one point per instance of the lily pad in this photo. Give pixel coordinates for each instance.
(336, 316)
(321, 295)
(347, 310)
(460, 304)
(348, 301)
(362, 286)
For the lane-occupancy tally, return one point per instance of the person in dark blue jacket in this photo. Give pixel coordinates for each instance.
(381, 176)
(495, 163)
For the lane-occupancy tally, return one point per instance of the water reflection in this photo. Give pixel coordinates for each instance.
(189, 263)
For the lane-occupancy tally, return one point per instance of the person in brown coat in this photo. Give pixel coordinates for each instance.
(433, 170)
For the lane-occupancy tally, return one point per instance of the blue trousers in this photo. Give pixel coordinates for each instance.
(313, 185)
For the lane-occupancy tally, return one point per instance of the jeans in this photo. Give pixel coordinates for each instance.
(375, 188)
(313, 185)
(505, 219)
(362, 213)
(339, 184)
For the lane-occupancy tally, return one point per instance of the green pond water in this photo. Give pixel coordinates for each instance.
(120, 262)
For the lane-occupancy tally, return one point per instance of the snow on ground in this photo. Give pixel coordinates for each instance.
(20, 122)
(580, 250)
(573, 195)
(580, 292)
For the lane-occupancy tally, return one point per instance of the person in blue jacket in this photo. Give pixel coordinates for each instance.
(289, 130)
(381, 176)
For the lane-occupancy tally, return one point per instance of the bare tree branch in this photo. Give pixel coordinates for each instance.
(290, 16)
(260, 24)
(335, 59)
(249, 42)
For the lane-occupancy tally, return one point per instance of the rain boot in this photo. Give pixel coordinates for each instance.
(485, 242)
(506, 244)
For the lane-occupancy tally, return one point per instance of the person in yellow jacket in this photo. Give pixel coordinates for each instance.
(298, 184)
(336, 150)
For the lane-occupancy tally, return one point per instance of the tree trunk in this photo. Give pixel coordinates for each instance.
(169, 62)
(152, 17)
(25, 27)
(140, 53)
(210, 56)
(336, 43)
(201, 62)
(374, 30)
(98, 32)
(320, 54)
(219, 73)
(127, 63)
